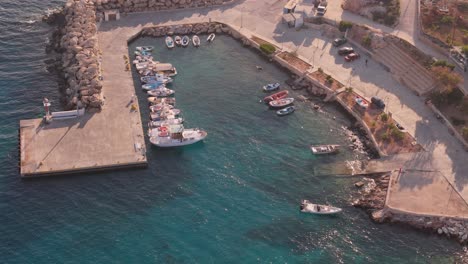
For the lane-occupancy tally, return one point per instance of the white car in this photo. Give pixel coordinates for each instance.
(321, 9)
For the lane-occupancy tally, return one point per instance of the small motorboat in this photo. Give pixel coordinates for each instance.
(169, 42)
(164, 92)
(361, 102)
(281, 102)
(160, 108)
(185, 41)
(271, 87)
(211, 37)
(196, 41)
(145, 48)
(167, 113)
(156, 117)
(276, 96)
(177, 135)
(308, 207)
(324, 149)
(286, 111)
(142, 53)
(178, 40)
(152, 86)
(156, 100)
(157, 78)
(259, 67)
(168, 122)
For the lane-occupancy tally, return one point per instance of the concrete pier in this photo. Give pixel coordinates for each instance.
(112, 138)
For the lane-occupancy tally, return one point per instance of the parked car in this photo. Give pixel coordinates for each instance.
(379, 103)
(352, 56)
(345, 51)
(339, 41)
(321, 9)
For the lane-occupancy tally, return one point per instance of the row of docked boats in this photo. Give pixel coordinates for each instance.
(165, 128)
(185, 41)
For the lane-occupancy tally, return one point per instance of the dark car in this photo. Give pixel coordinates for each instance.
(345, 51)
(339, 41)
(378, 102)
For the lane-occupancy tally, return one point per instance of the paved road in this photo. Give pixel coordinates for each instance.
(263, 18)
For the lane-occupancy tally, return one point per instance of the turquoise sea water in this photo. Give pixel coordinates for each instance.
(232, 199)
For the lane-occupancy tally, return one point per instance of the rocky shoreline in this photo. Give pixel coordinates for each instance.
(128, 6)
(372, 196)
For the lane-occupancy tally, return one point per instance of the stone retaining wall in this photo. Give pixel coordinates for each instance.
(128, 6)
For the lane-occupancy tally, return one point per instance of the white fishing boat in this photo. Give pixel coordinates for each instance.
(169, 42)
(168, 122)
(155, 117)
(157, 100)
(286, 111)
(157, 78)
(280, 103)
(158, 108)
(178, 40)
(196, 41)
(185, 41)
(165, 68)
(173, 113)
(324, 149)
(176, 135)
(145, 48)
(271, 87)
(161, 92)
(211, 37)
(308, 207)
(152, 86)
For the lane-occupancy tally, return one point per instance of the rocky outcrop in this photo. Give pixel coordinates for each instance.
(128, 6)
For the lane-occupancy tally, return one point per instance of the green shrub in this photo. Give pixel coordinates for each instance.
(367, 40)
(384, 117)
(349, 89)
(267, 48)
(465, 132)
(320, 70)
(385, 136)
(344, 25)
(329, 79)
(465, 50)
(373, 123)
(447, 20)
(444, 63)
(396, 133)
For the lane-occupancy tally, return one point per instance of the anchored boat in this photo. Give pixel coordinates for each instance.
(177, 135)
(160, 108)
(166, 100)
(276, 96)
(168, 122)
(286, 111)
(185, 41)
(178, 40)
(281, 102)
(324, 149)
(161, 92)
(196, 41)
(271, 87)
(157, 78)
(308, 207)
(145, 49)
(169, 42)
(211, 37)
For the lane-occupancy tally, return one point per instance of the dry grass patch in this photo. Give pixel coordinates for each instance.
(295, 61)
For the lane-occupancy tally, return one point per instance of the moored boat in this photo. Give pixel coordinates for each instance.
(168, 114)
(196, 41)
(177, 135)
(161, 92)
(286, 111)
(324, 149)
(165, 69)
(152, 86)
(178, 40)
(166, 100)
(308, 207)
(276, 96)
(211, 37)
(145, 48)
(158, 108)
(281, 102)
(168, 122)
(185, 41)
(157, 78)
(169, 42)
(271, 87)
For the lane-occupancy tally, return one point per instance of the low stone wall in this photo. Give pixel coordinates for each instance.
(128, 6)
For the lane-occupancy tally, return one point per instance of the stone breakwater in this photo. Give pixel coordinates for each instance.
(77, 61)
(129, 6)
(372, 199)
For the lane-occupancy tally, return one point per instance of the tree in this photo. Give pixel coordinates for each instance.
(446, 78)
(465, 50)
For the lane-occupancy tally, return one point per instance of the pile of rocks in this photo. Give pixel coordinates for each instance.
(128, 6)
(198, 28)
(79, 55)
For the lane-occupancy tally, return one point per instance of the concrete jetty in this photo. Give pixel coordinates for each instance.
(109, 139)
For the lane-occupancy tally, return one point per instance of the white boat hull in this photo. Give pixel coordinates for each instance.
(190, 136)
(308, 207)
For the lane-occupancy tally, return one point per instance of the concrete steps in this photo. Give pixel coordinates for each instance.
(405, 69)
